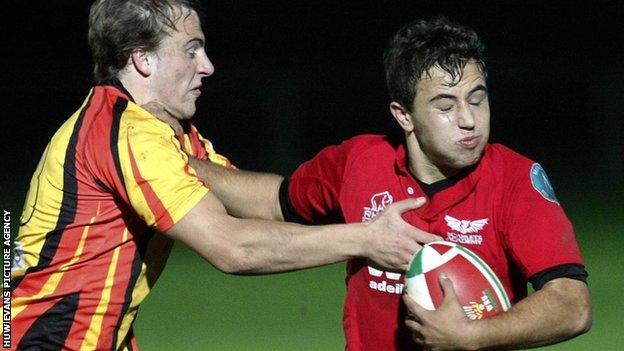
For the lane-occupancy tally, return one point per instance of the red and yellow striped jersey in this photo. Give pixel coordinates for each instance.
(89, 247)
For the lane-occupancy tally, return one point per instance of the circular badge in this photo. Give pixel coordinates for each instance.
(540, 182)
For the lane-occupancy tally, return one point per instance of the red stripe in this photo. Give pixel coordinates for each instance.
(121, 280)
(24, 320)
(198, 148)
(161, 215)
(89, 300)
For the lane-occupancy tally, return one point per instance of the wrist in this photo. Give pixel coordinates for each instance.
(360, 241)
(473, 335)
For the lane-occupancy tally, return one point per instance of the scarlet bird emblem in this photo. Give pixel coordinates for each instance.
(464, 226)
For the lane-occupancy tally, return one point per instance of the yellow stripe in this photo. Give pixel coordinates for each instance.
(45, 194)
(135, 195)
(93, 333)
(20, 303)
(152, 146)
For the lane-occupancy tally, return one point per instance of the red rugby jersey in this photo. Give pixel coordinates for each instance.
(504, 210)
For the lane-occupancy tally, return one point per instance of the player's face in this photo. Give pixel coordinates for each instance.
(180, 65)
(451, 122)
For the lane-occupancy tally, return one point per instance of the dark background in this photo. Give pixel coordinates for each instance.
(292, 77)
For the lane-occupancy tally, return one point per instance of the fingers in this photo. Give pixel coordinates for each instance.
(414, 309)
(413, 321)
(412, 204)
(447, 288)
(416, 336)
(407, 204)
(424, 237)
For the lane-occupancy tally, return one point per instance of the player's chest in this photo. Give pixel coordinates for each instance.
(457, 214)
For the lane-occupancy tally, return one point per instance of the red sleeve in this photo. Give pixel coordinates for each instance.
(314, 188)
(537, 232)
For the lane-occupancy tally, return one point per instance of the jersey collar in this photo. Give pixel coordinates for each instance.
(441, 200)
(118, 87)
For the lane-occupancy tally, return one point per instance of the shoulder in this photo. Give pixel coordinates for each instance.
(517, 172)
(358, 155)
(138, 125)
(112, 107)
(505, 160)
(366, 146)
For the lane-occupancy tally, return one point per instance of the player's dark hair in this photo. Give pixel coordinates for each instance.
(423, 44)
(117, 27)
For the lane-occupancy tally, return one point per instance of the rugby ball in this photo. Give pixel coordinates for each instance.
(478, 289)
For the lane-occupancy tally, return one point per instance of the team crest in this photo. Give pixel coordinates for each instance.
(465, 231)
(542, 184)
(379, 202)
(465, 226)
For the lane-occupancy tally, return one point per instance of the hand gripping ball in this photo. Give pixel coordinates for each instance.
(478, 289)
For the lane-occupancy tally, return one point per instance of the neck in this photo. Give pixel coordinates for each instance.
(421, 166)
(137, 87)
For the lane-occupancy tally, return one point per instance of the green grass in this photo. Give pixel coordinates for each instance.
(195, 307)
(599, 225)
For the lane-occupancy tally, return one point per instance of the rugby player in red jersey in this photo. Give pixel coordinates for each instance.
(484, 196)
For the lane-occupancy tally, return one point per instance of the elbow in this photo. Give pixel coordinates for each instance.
(585, 312)
(234, 261)
(584, 320)
(580, 320)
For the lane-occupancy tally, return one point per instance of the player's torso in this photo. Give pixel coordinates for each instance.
(80, 245)
(461, 214)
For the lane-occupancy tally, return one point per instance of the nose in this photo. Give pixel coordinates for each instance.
(204, 66)
(465, 118)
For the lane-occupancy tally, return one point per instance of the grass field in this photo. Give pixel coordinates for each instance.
(195, 307)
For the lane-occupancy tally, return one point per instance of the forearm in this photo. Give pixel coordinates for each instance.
(560, 311)
(254, 246)
(245, 194)
(248, 246)
(260, 246)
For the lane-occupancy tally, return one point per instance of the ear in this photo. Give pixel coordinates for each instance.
(142, 62)
(402, 116)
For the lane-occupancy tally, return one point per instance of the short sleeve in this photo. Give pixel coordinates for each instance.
(538, 233)
(314, 188)
(160, 185)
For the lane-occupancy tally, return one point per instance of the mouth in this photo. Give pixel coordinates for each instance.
(469, 142)
(196, 91)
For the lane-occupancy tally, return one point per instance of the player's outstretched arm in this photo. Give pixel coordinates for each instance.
(244, 194)
(557, 312)
(249, 246)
